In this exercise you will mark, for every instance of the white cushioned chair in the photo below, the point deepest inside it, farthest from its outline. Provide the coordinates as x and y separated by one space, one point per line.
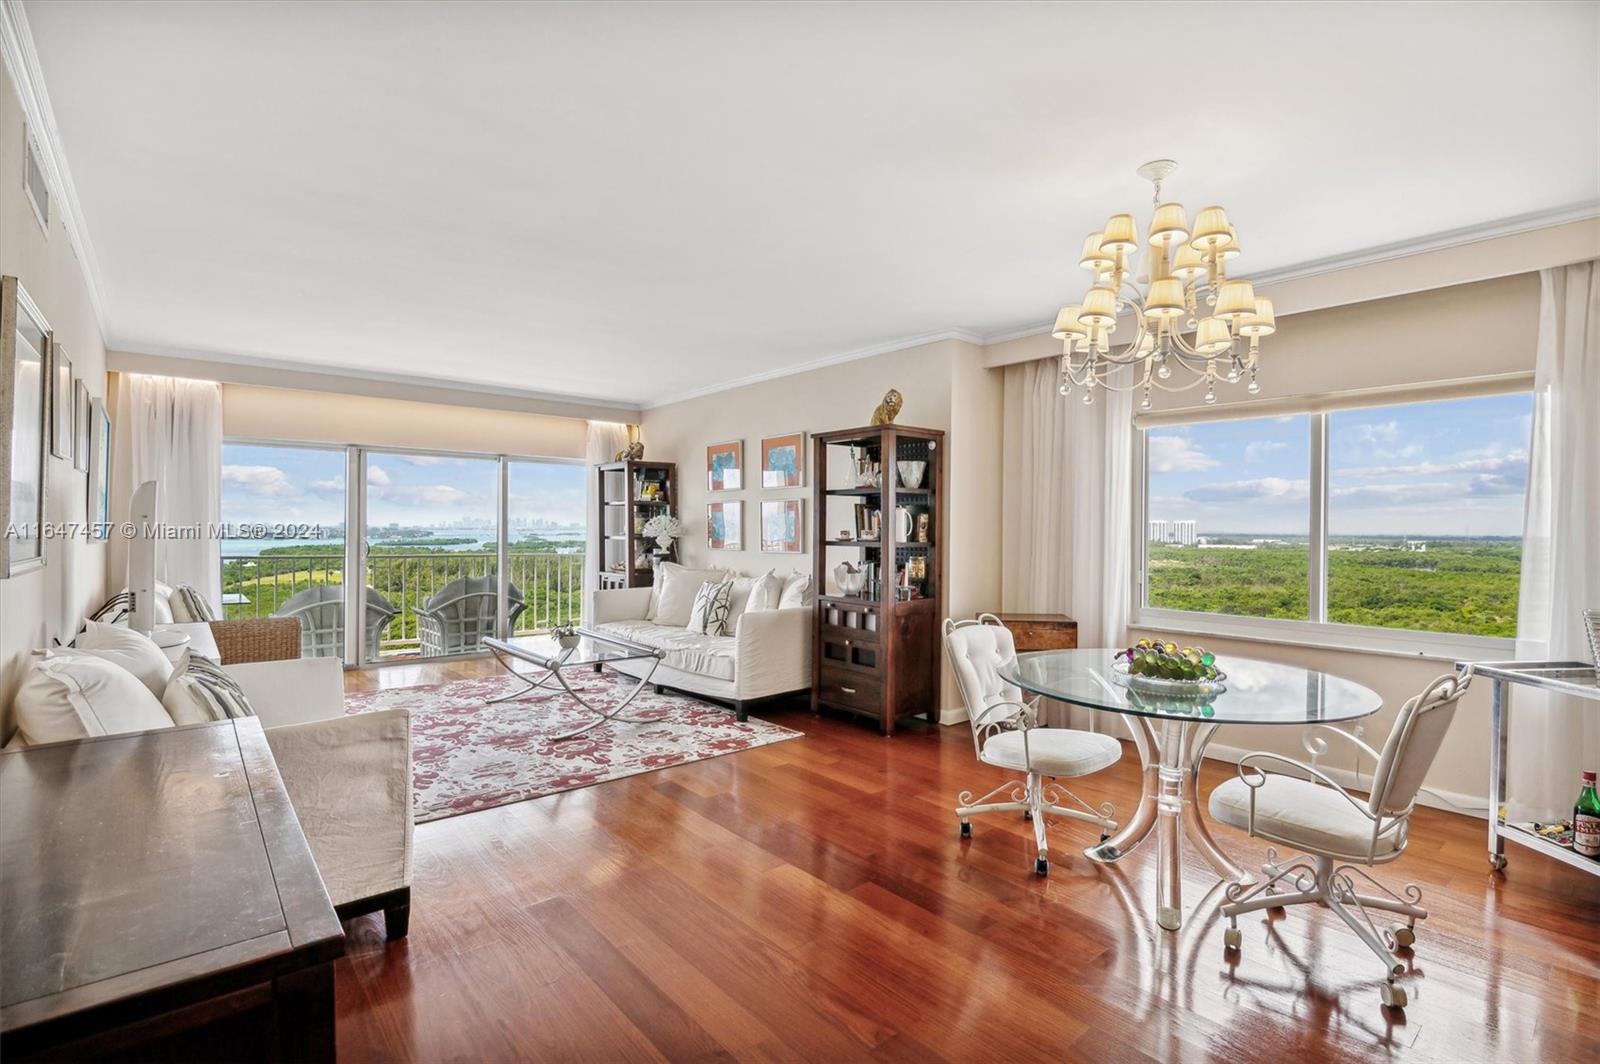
1337 830
1005 734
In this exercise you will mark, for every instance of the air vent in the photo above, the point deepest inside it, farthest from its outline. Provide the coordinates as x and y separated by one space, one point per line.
38 189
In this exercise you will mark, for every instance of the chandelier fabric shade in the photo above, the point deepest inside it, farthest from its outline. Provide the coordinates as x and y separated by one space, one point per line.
1178 309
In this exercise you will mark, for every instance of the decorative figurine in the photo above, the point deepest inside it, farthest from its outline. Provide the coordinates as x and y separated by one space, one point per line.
889 409
634 452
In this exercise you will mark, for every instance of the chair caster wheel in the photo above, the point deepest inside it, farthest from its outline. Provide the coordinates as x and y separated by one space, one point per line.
1232 938
1393 996
966 829
1404 936
1041 867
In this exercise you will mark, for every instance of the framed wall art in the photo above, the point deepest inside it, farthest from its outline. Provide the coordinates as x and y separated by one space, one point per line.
24 426
783 461
81 413
725 466
725 525
782 526
60 403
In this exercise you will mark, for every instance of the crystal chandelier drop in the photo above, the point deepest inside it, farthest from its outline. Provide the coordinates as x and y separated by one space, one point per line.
1183 308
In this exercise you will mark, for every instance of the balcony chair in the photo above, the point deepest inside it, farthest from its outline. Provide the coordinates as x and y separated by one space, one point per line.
460 615
1336 830
1006 734
320 611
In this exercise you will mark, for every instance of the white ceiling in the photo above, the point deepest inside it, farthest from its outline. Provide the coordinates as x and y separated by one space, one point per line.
643 201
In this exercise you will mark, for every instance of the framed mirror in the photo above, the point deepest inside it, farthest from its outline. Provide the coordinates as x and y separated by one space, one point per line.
24 426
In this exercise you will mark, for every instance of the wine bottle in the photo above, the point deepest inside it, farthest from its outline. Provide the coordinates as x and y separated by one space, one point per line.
1586 819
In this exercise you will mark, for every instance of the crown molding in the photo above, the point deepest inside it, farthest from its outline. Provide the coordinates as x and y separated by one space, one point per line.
22 62
902 344
1402 249
351 380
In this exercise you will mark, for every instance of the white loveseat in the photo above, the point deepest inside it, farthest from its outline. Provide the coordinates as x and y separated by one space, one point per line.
768 654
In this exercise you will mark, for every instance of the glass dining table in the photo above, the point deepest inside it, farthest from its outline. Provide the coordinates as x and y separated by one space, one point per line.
1171 734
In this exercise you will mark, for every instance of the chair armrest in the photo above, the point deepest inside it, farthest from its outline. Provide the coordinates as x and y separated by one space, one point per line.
774 651
1254 776
292 692
349 780
1316 746
620 604
262 639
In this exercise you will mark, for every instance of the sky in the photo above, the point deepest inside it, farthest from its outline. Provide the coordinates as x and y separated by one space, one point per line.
1451 468
275 485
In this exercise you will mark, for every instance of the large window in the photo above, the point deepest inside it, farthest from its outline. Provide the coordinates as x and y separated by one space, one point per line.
1404 517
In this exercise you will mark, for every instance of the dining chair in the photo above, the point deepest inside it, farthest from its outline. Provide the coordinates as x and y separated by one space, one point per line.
1006 734
1339 833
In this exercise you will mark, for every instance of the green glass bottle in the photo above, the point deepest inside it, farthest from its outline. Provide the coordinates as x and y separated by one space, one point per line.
1586 819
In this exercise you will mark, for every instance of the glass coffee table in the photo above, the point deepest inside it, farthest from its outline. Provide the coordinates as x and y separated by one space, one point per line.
591 650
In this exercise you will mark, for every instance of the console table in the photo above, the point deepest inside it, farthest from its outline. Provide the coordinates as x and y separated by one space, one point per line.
158 899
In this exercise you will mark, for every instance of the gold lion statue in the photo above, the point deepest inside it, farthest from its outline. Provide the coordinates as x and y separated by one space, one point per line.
889 409
631 453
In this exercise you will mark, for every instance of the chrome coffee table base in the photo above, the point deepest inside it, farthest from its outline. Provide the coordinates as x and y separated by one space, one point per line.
1169 807
554 670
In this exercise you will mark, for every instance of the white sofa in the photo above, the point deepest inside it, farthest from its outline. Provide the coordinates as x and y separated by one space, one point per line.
348 778
769 654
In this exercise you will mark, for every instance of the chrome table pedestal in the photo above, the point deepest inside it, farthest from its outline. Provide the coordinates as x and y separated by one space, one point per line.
1169 807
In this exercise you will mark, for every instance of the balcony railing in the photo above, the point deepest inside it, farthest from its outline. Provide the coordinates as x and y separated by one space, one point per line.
551 584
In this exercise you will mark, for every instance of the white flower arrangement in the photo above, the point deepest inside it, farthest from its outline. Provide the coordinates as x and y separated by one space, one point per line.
665 528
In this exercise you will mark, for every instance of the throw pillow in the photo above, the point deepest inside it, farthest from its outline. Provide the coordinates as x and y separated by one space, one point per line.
796 592
132 650
678 586
115 610
742 599
766 594
709 614
70 694
201 691
191 607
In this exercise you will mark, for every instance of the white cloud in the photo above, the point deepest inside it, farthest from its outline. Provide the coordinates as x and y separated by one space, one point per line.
1506 464
426 495
426 460
1381 432
263 481
331 486
377 476
1265 488
1259 449
1178 454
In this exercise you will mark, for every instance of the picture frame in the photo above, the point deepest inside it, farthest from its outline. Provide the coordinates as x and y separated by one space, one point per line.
725 466
783 526
99 479
783 460
725 525
81 413
25 340
61 439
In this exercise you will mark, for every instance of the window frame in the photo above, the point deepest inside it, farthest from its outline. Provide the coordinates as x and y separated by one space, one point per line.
1317 631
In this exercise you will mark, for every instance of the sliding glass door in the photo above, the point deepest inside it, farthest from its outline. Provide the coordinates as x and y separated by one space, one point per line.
437 531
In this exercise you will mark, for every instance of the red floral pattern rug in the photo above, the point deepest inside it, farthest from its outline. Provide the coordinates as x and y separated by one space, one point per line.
467 755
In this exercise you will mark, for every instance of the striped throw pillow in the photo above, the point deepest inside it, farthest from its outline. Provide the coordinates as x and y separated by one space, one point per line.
115 610
191 607
202 691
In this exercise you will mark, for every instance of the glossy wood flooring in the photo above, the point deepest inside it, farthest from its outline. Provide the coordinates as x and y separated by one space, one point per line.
812 901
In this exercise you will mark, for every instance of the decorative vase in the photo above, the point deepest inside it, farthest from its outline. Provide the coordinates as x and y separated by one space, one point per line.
911 473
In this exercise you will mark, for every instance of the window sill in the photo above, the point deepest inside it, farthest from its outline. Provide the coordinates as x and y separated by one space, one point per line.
1352 639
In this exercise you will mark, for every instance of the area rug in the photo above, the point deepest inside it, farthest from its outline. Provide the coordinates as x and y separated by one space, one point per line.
467 755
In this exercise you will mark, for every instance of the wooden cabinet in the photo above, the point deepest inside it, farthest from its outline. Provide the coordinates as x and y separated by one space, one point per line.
879 508
1041 631
631 493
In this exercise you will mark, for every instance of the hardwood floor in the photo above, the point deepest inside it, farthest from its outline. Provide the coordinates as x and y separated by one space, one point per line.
811 901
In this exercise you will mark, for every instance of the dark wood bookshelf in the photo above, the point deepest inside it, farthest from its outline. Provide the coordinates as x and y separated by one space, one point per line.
622 512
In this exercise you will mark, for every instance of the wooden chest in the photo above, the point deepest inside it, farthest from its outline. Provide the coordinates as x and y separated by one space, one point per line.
1041 631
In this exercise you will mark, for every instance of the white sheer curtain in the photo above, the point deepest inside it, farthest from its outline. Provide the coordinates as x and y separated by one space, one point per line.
1554 738
604 440
1068 506
169 430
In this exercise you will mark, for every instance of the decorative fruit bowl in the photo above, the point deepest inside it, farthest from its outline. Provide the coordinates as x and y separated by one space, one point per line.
1164 668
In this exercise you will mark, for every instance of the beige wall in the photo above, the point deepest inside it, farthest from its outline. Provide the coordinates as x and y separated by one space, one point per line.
38 606
251 412
945 386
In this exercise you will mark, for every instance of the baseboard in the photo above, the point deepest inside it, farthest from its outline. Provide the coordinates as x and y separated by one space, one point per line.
1450 801
957 715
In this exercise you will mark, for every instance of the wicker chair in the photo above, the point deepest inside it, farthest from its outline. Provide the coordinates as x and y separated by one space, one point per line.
320 612
458 618
262 639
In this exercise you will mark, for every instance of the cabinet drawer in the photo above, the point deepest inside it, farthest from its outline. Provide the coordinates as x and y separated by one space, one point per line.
850 688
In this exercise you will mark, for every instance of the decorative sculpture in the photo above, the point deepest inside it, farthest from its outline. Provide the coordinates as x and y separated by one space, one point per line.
634 452
889 409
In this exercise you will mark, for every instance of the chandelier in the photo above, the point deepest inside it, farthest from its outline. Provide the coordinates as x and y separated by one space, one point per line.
1184 310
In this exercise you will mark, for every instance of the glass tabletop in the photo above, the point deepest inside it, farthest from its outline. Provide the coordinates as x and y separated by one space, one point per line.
592 649
1258 692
